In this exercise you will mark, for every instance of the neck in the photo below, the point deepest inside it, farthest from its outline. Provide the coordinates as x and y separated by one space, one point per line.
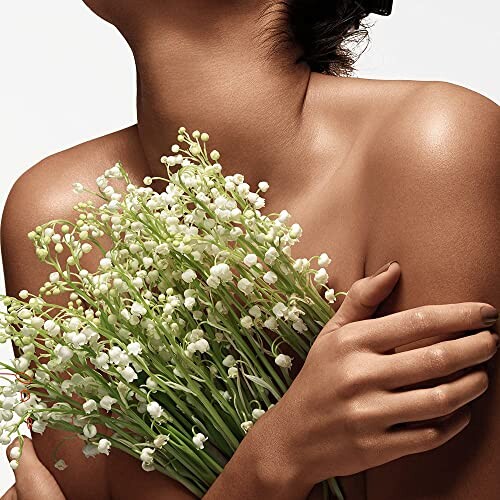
218 76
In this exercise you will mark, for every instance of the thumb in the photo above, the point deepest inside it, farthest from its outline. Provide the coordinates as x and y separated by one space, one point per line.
33 480
365 295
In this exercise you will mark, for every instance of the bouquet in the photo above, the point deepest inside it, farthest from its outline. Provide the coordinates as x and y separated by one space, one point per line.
172 349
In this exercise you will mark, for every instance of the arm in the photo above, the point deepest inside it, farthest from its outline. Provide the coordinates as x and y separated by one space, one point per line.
436 197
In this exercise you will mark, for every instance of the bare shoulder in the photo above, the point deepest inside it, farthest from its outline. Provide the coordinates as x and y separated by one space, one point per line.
44 191
432 189
440 124
434 152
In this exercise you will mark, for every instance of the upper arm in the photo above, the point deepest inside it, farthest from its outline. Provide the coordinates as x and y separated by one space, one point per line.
436 203
38 196
435 198
42 194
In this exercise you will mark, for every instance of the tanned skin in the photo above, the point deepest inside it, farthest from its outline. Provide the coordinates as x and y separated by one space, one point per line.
372 170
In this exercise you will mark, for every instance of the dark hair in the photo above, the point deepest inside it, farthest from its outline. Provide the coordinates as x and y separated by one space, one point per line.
327 32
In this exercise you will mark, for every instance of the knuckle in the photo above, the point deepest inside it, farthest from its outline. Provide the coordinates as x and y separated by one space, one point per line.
441 400
355 379
345 339
359 293
420 318
483 380
466 314
489 344
434 436
436 358
358 418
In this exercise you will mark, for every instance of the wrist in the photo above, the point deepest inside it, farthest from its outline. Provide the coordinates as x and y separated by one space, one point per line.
276 460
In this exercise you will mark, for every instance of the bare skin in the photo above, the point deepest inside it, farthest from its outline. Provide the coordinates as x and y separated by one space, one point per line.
372 170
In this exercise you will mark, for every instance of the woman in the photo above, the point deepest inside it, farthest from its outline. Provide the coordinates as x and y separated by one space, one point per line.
373 171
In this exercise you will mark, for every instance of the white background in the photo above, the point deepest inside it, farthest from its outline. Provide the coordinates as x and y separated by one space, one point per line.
68 76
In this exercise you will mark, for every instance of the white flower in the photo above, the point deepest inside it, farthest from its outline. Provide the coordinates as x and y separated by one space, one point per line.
14 464
246 322
106 402
250 259
49 325
330 296
90 450
188 276
101 361
279 309
61 464
271 323
105 263
151 384
103 446
89 431
161 440
138 309
263 186
134 348
301 265
199 439
154 409
78 187
295 231
189 303
283 360
255 311
147 455
324 260
229 361
270 278
202 345
15 453
148 181
257 413
246 426
284 217
148 466
128 374
299 326
245 286
321 276
54 277
271 256
221 271
89 406
232 372
64 353
39 426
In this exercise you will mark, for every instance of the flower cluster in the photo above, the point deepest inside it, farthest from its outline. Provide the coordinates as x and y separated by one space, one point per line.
172 349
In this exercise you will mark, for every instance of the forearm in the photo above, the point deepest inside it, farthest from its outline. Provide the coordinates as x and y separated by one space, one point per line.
259 469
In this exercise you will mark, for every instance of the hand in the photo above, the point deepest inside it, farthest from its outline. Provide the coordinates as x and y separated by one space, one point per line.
33 480
338 415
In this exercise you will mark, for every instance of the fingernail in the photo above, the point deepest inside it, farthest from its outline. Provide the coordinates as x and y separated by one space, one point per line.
383 269
489 315
496 337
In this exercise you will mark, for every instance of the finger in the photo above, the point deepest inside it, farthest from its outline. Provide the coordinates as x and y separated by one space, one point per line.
434 402
394 330
407 441
437 360
10 494
365 296
33 480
